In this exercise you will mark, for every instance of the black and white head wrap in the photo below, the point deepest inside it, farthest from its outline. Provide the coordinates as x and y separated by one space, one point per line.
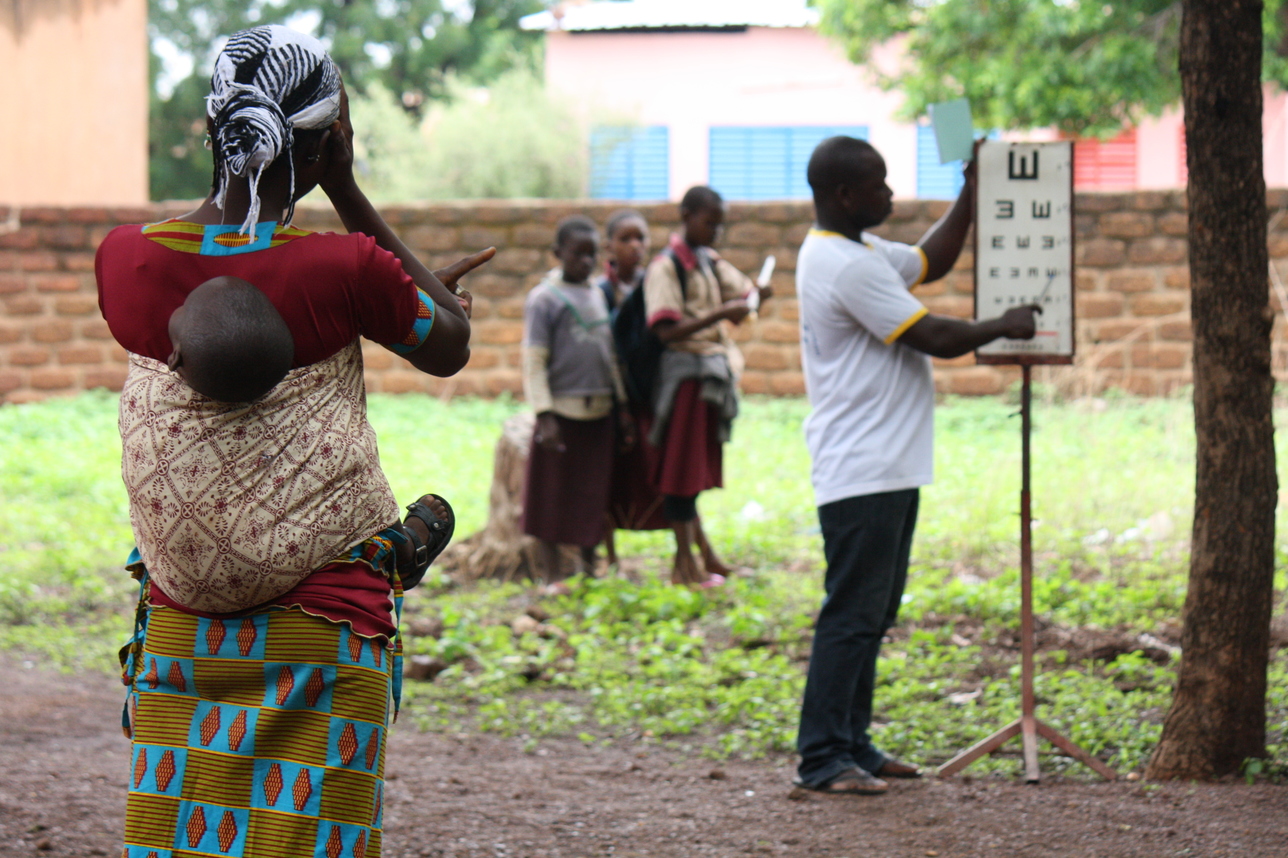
268 81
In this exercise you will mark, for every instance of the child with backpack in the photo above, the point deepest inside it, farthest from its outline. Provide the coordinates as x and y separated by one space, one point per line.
571 381
688 292
633 504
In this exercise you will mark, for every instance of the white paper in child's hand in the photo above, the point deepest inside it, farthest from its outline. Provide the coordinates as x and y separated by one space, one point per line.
766 271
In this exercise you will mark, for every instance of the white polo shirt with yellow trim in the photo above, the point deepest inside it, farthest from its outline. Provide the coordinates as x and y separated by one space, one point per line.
871 429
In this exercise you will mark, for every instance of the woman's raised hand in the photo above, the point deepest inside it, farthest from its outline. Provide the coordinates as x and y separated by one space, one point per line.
337 149
451 275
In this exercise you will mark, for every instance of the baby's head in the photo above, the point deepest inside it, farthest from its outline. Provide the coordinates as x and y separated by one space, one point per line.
576 246
229 342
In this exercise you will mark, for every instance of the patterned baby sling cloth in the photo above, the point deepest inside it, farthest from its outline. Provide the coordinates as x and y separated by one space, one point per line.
234 505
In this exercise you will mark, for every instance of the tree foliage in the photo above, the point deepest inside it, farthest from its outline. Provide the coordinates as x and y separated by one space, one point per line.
511 140
521 142
411 48
1084 66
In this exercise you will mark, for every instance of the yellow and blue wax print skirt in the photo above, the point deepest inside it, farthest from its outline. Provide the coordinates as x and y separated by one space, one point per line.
256 737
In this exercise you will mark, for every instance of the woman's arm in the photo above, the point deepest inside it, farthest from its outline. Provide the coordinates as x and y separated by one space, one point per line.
447 349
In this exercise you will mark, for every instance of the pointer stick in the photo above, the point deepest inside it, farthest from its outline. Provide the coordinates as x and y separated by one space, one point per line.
1045 289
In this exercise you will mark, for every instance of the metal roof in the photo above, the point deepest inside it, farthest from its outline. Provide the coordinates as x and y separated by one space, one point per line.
674 14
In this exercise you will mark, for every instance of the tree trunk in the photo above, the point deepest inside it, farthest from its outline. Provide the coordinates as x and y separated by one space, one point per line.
501 549
1217 718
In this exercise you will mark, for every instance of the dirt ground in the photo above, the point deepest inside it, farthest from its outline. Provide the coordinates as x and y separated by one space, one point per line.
469 796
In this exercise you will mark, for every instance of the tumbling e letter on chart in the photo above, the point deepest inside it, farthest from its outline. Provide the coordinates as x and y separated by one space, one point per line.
1024 226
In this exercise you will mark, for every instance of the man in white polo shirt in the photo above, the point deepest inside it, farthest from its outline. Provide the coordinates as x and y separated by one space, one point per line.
866 344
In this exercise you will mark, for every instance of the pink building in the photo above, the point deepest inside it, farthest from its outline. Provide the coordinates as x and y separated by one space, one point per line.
736 93
75 102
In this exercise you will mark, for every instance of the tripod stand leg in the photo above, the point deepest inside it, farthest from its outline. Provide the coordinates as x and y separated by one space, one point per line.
1029 736
979 749
1077 753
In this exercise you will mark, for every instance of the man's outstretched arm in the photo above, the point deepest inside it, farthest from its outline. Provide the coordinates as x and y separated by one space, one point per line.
946 337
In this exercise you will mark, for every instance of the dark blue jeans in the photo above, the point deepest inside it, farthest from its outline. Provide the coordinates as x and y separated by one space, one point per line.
866 541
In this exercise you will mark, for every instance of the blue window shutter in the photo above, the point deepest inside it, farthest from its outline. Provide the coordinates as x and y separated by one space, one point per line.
935 181
630 163
767 162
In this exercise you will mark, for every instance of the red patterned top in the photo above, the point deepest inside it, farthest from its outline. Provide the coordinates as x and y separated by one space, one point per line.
329 288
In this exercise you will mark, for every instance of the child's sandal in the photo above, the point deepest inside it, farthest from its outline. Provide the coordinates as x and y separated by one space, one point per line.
440 534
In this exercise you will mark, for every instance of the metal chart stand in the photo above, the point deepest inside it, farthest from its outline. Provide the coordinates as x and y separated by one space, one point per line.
1027 727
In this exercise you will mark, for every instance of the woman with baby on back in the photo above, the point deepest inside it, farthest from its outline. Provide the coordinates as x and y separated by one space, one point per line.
269 545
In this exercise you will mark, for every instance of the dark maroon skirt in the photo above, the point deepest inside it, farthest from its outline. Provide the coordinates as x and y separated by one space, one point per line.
635 503
692 458
565 495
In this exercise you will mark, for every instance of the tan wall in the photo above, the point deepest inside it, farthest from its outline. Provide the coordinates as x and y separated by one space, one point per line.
1133 293
74 102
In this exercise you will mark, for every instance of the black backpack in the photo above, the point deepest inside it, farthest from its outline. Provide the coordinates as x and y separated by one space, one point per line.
638 348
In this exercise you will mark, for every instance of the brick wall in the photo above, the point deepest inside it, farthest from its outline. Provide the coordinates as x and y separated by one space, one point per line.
1133 293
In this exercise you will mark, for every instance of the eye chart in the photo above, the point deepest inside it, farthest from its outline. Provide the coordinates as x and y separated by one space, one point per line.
1024 246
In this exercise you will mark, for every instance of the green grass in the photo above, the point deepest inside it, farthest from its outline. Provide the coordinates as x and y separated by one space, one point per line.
717 673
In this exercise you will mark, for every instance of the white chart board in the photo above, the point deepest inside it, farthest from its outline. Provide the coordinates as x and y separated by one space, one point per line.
1024 246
